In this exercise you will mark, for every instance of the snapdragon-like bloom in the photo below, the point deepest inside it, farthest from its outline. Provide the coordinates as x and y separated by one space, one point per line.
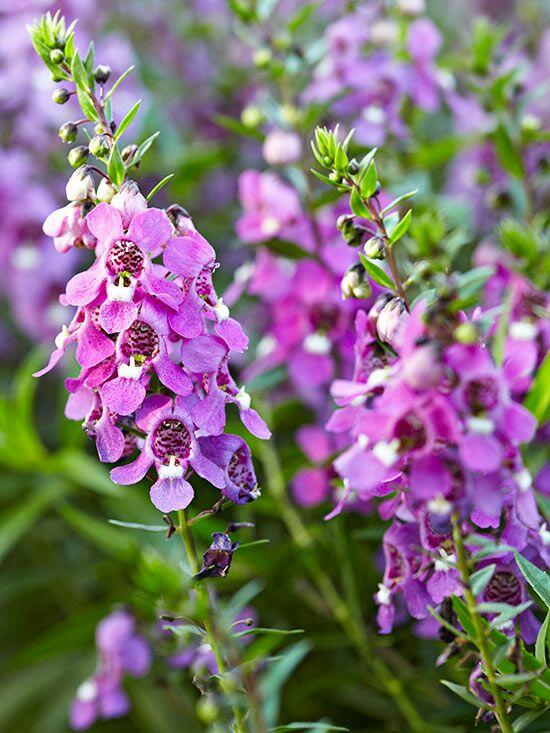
153 341
121 651
436 430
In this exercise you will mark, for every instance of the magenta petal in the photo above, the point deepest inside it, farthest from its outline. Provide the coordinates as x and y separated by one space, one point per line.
82 714
518 424
150 229
79 404
255 424
93 346
429 477
83 287
232 333
187 256
133 472
114 703
187 322
55 356
105 223
116 316
481 453
109 439
170 495
166 291
209 414
123 395
203 354
207 469
55 223
154 408
136 656
173 376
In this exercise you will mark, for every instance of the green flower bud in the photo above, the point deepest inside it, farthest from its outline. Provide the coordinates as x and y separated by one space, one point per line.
374 248
207 710
353 167
60 96
128 153
252 116
77 156
283 41
57 56
355 283
68 132
262 58
291 115
99 146
466 333
102 74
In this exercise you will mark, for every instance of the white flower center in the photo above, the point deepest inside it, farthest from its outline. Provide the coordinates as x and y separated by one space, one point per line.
523 331
87 691
119 292
221 310
243 399
362 440
374 114
131 370
270 226
524 480
61 337
243 273
446 562
317 343
384 595
172 470
378 377
544 534
439 505
359 400
386 453
266 345
480 425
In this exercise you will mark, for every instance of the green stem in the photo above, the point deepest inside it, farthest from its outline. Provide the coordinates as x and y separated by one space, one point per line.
207 610
481 640
352 627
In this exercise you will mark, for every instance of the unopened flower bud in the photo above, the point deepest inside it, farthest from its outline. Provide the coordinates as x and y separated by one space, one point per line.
262 58
376 309
291 114
60 96
374 248
252 116
391 321
412 7
68 132
102 74
281 147
180 218
105 191
207 710
80 185
352 233
77 156
99 146
57 56
466 333
355 283
128 153
353 167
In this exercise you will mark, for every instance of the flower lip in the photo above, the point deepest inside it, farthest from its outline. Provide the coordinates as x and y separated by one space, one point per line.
87 691
172 470
118 291
445 562
171 439
480 425
131 370
317 343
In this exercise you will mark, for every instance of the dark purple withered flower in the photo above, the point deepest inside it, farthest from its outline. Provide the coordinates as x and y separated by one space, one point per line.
216 561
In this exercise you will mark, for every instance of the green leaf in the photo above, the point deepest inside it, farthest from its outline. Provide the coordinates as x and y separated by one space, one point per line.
287 249
274 678
144 147
462 692
526 719
236 126
357 205
369 181
511 680
159 185
537 578
480 578
135 525
86 104
543 641
401 228
78 71
127 120
118 82
399 200
376 273
256 631
506 616
508 155
115 166
106 538
538 397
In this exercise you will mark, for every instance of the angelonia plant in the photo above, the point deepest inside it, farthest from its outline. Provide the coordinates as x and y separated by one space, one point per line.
153 342
435 420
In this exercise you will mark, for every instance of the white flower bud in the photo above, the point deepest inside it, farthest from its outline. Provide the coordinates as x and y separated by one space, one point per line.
80 185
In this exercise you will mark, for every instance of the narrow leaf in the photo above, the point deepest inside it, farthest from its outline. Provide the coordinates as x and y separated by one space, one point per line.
115 166
144 147
118 82
376 273
401 228
135 525
79 72
159 185
127 120
399 200
506 616
357 205
480 578
543 640
511 680
537 579
462 692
